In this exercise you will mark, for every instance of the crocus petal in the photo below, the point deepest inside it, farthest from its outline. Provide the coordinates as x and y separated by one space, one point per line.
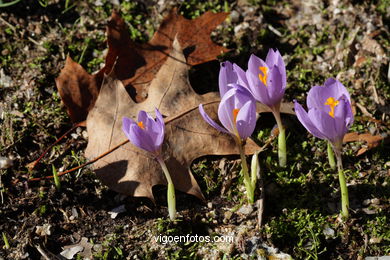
210 121
258 89
141 139
275 86
337 89
143 117
242 80
256 86
324 123
226 76
246 119
318 95
159 128
274 58
225 110
316 98
303 117
126 122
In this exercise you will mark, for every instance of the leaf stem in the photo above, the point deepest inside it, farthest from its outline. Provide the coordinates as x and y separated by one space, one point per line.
282 150
250 189
171 190
343 184
332 162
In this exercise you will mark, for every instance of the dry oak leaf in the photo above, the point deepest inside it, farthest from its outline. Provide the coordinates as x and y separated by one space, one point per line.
132 171
372 141
137 64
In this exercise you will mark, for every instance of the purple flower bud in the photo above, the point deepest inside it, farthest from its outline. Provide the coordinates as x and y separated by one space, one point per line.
330 114
147 133
236 112
265 80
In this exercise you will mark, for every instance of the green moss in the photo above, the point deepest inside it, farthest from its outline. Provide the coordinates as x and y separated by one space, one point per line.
299 232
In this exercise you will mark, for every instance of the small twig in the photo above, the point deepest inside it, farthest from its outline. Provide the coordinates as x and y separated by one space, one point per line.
43 253
82 165
364 110
8 24
51 146
1 188
260 202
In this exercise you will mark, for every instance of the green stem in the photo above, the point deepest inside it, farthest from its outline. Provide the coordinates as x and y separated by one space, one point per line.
343 184
171 190
282 150
332 162
244 171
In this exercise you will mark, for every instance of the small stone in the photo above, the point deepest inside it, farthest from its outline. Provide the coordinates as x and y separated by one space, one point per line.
97 248
5 162
5 52
245 210
227 215
375 201
375 240
234 16
366 202
210 205
328 232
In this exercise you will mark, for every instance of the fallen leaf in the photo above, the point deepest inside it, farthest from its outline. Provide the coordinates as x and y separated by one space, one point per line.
78 89
372 141
135 64
132 171
83 248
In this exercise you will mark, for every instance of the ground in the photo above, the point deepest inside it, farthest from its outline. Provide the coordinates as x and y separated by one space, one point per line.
344 39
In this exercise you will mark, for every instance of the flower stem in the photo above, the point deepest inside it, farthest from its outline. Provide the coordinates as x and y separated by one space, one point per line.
343 184
282 150
171 190
332 162
250 188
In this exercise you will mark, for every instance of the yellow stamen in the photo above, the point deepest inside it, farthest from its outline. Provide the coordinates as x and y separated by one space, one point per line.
332 103
263 78
141 125
235 113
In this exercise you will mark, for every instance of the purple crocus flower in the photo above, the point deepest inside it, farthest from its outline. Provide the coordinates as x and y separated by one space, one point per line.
265 80
147 133
330 113
237 112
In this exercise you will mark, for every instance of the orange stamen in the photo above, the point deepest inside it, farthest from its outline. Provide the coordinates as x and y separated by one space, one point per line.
263 78
332 103
141 125
235 113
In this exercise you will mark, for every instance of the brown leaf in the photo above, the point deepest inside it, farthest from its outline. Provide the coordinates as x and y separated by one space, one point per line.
78 90
372 141
132 171
134 64
138 64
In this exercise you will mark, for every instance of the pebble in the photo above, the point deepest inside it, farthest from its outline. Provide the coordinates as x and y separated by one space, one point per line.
234 16
375 201
210 205
227 215
375 240
328 232
245 210
5 162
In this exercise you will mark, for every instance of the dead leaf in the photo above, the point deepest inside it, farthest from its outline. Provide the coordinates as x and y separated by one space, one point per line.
372 141
134 64
132 171
78 89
